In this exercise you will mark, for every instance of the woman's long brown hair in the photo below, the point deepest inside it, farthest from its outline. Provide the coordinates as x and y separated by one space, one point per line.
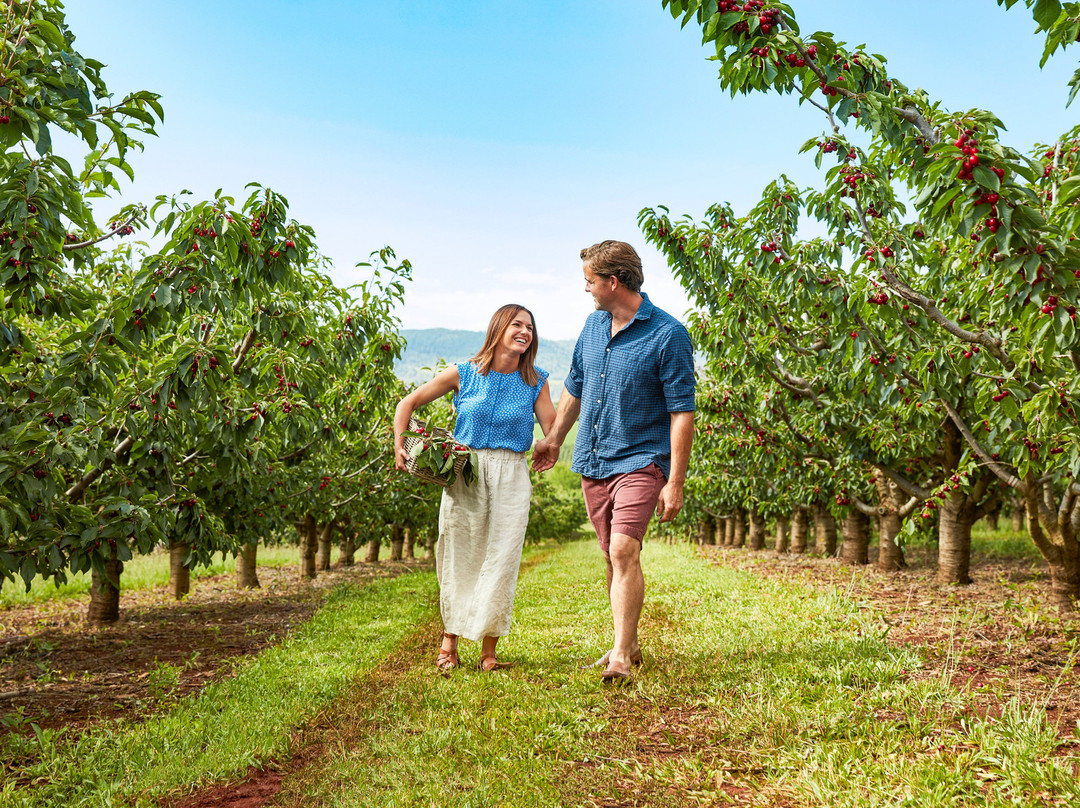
500 321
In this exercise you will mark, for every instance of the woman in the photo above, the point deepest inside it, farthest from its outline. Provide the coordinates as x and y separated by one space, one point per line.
482 525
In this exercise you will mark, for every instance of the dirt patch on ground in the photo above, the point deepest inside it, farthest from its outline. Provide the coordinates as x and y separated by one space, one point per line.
677 740
55 671
997 638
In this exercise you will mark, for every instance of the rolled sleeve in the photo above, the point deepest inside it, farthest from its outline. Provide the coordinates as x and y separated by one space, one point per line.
677 371
573 382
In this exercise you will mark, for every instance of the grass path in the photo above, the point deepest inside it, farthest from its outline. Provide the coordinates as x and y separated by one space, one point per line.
753 692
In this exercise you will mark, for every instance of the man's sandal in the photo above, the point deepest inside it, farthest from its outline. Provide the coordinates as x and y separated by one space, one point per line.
446 661
614 677
635 660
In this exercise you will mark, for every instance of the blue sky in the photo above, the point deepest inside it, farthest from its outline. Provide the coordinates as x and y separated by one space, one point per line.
488 142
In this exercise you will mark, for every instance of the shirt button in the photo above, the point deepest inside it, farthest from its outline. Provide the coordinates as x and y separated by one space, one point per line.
608 350
597 401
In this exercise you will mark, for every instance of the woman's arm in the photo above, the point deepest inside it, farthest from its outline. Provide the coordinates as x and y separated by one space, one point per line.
437 388
546 451
544 409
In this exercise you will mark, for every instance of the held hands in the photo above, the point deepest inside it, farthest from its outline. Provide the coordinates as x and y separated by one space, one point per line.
545 455
670 501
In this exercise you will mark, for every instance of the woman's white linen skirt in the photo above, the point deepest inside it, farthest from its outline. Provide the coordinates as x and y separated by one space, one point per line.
481 534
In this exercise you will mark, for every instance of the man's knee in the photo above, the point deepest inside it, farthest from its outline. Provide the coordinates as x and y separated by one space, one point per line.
624 552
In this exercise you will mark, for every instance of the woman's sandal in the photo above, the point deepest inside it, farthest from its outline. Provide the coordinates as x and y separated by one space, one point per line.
446 661
492 663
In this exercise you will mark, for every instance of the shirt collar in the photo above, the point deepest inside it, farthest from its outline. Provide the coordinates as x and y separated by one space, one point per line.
644 312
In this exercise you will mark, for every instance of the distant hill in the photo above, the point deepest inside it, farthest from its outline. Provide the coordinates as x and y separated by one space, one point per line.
426 346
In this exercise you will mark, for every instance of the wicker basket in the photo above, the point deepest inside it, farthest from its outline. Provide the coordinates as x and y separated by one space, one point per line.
423 474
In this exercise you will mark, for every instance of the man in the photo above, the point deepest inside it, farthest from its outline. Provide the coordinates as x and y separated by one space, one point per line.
632 383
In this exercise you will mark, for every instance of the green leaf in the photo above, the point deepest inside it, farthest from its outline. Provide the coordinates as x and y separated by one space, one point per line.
986 178
43 143
1046 13
51 34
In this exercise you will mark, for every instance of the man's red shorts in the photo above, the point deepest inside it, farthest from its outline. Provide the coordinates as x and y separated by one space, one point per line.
623 503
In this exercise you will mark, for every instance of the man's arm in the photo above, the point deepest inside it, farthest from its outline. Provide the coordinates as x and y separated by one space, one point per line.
670 501
546 453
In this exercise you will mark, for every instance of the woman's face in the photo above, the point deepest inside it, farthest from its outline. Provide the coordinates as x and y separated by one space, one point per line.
518 336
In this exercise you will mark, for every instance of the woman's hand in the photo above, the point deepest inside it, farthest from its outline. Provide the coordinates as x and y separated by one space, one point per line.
400 456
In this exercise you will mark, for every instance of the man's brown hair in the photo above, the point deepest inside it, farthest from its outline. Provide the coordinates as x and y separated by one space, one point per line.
615 259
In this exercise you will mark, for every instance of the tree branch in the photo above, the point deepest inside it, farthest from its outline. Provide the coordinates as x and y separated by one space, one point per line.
80 245
242 352
1000 471
910 488
88 479
934 313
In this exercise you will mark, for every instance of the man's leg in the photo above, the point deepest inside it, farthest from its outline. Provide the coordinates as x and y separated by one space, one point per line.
626 592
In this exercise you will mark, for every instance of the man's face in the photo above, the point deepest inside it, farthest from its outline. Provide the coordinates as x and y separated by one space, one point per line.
602 289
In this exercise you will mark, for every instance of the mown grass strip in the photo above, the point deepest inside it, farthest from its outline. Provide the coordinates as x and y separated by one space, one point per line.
754 691
237 722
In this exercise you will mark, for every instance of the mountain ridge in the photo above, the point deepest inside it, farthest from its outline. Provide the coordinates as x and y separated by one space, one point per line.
425 347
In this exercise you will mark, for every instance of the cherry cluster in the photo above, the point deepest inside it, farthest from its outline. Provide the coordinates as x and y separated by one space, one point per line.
852 177
828 146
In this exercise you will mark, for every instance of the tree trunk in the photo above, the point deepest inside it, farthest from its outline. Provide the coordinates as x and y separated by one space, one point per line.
824 531
308 542
756 540
105 593
782 524
1017 514
326 538
179 574
1064 585
429 542
1056 539
993 519
856 538
347 549
729 531
707 530
247 576
410 540
800 527
373 550
954 539
397 542
890 555
739 518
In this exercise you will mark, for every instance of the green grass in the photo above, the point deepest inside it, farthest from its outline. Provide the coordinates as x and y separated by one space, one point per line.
1003 543
246 720
752 688
750 685
142 572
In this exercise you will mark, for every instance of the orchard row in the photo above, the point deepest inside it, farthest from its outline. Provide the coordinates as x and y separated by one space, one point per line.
900 341
199 394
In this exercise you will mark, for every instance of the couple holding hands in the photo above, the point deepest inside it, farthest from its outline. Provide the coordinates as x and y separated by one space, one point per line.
631 386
